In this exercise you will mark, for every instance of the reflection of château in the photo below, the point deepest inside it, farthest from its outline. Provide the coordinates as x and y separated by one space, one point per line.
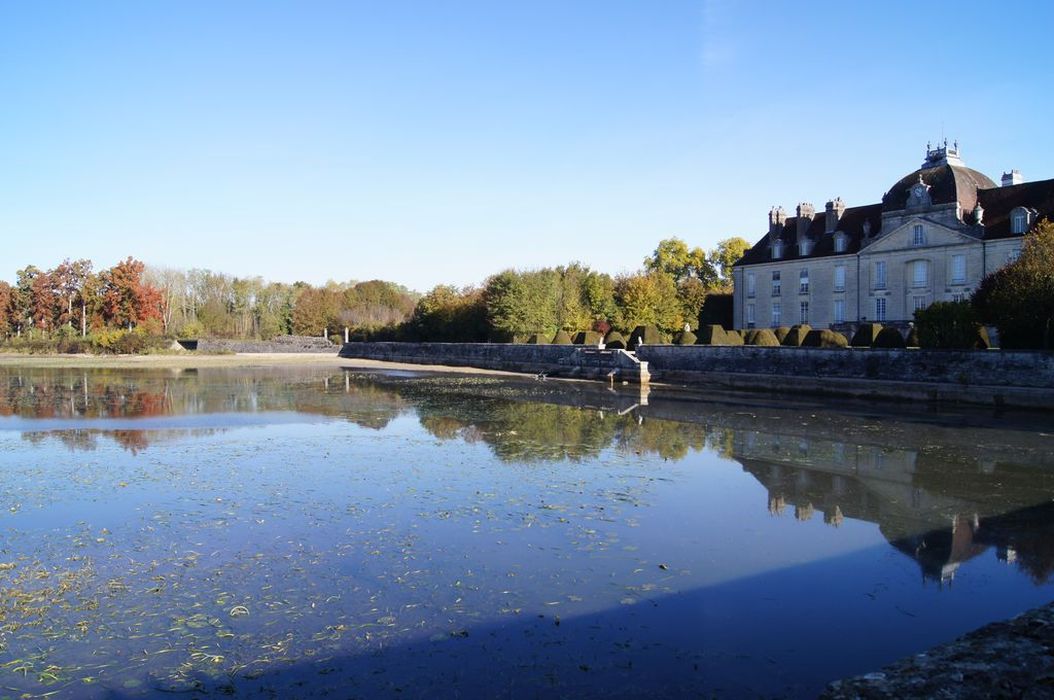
940 509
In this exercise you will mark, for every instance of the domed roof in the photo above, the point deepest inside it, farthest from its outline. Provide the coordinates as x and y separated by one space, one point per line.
949 181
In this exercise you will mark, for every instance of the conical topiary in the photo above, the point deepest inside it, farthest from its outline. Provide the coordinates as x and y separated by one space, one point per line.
591 338
685 338
735 337
562 338
765 338
649 334
615 341
537 339
796 336
712 335
889 338
865 335
825 338
781 333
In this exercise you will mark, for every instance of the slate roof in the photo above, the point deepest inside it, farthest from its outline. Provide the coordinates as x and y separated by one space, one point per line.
851 223
948 184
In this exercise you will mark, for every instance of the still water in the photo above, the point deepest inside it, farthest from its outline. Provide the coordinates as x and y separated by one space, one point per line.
298 533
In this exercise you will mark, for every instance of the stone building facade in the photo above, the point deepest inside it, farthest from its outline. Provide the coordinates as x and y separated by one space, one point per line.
936 233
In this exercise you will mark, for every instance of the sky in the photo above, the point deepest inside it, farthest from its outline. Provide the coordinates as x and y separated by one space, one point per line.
440 142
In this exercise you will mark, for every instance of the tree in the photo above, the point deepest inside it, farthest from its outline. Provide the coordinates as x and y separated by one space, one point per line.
126 300
648 298
725 255
446 314
5 306
315 311
672 257
1018 299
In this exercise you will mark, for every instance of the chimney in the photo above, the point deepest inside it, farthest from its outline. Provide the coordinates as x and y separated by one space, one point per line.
834 213
777 218
1012 178
805 214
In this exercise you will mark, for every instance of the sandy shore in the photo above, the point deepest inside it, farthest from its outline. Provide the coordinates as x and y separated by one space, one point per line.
192 360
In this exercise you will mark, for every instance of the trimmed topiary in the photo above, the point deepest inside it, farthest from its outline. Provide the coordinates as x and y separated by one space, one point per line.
734 337
866 335
781 333
796 335
712 335
685 338
538 339
825 338
889 338
561 338
765 338
615 341
912 341
650 335
588 338
749 335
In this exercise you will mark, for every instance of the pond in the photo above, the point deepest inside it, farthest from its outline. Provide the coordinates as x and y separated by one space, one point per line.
304 532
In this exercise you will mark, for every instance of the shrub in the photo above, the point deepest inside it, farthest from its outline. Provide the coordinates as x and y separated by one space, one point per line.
537 339
685 338
912 339
781 333
796 336
866 335
749 335
889 338
602 327
615 341
765 338
712 334
716 311
650 335
949 324
588 338
561 338
734 337
825 338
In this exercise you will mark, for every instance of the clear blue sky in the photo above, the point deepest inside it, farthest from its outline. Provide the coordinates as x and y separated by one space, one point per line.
428 142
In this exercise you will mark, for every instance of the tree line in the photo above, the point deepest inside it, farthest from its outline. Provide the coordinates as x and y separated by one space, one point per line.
74 300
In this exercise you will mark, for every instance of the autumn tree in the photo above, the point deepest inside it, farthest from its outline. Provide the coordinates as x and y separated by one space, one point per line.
447 314
126 300
315 311
648 299
5 306
1018 299
673 257
724 256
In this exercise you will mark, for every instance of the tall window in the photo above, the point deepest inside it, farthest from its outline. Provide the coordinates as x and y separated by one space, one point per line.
1018 222
776 313
839 310
919 276
880 274
958 269
776 284
880 309
839 278
750 315
777 250
839 243
803 281
918 303
918 235
750 284
804 312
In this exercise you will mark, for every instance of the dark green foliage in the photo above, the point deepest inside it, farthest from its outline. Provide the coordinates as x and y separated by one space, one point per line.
866 335
712 334
649 335
889 338
717 310
912 339
951 325
765 338
1019 298
685 338
825 338
796 335
562 338
588 338
615 341
781 333
449 315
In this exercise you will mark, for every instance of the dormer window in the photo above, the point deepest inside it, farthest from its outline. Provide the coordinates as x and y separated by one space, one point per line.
839 243
777 250
1019 220
918 235
804 246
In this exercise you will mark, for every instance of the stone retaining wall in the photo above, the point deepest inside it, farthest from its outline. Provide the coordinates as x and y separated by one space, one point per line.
287 343
993 377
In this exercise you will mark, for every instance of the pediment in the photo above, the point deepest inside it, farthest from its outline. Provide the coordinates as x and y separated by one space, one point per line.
902 237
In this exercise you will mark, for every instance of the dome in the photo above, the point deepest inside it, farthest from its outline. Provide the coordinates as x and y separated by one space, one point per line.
948 181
